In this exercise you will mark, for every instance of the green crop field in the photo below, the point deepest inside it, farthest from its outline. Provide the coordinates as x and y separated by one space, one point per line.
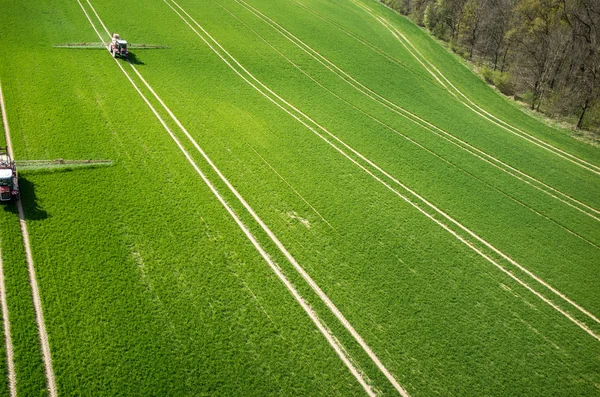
304 197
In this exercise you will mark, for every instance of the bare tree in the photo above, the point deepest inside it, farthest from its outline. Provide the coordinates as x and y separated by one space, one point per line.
472 17
586 36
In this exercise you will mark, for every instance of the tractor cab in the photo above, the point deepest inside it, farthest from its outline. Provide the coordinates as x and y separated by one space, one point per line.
122 47
118 47
8 177
5 184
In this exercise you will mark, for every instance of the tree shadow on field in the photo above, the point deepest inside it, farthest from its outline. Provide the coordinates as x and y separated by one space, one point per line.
133 59
31 208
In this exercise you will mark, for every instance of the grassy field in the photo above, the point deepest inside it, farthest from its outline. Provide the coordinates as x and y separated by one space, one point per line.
463 258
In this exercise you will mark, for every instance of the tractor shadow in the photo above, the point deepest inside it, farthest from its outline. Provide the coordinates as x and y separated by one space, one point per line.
134 59
31 208
29 199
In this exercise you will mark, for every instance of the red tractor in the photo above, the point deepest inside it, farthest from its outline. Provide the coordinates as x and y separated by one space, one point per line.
9 183
118 47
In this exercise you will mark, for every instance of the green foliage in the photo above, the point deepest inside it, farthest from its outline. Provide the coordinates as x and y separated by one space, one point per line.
395 5
501 80
527 97
593 117
459 49
487 73
429 18
549 45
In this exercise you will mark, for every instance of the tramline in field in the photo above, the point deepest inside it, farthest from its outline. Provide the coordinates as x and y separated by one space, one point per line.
9 181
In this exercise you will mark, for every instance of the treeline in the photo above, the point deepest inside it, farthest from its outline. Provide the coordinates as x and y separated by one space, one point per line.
545 52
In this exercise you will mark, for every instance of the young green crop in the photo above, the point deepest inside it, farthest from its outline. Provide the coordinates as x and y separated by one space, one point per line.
150 288
27 354
288 143
464 196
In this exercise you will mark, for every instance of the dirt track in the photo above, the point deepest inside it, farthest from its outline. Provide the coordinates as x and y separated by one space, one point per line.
12 377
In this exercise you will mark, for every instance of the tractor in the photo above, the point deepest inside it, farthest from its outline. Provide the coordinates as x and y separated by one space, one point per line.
118 47
9 183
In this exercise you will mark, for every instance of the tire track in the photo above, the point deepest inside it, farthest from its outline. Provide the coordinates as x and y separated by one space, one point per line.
314 126
383 124
364 42
12 376
321 326
463 145
37 301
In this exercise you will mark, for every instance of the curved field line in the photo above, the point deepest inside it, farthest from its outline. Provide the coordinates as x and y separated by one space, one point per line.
250 8
480 111
37 301
478 153
496 120
305 120
364 42
385 125
321 326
